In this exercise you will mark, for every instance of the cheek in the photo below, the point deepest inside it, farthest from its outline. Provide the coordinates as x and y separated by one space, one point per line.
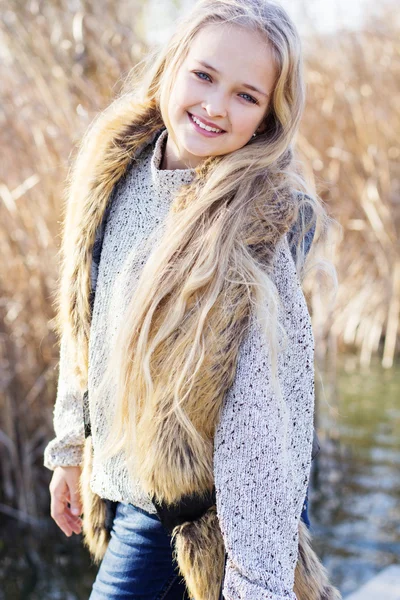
244 120
184 94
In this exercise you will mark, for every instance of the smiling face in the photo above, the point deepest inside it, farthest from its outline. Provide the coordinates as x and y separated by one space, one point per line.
225 84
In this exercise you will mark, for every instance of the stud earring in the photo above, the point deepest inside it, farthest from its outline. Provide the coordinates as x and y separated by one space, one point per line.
254 135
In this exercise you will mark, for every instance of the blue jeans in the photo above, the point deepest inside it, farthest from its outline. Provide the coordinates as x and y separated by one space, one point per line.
138 563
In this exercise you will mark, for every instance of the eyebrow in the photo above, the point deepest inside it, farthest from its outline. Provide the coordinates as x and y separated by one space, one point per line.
246 85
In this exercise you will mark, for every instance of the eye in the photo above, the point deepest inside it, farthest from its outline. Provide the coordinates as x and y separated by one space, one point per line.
202 75
249 98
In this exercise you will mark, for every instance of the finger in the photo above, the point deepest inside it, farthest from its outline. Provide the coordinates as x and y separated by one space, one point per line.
68 524
73 520
77 529
68 511
75 501
75 524
57 504
76 509
57 509
63 524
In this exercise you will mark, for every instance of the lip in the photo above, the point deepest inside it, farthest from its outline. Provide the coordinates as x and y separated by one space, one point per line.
208 123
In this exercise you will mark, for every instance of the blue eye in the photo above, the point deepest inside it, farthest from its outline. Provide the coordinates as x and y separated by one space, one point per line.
199 75
205 77
250 98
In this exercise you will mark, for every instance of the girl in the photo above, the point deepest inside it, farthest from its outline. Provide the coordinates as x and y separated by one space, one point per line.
196 381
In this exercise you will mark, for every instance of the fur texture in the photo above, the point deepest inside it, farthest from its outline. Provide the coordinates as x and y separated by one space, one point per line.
311 580
199 552
170 463
114 141
95 535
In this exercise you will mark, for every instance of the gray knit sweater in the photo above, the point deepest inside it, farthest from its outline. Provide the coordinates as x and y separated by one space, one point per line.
260 488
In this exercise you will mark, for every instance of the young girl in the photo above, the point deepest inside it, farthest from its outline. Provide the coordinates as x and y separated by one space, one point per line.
194 389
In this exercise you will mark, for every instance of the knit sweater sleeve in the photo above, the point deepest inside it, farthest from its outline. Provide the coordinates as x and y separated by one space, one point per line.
261 481
66 449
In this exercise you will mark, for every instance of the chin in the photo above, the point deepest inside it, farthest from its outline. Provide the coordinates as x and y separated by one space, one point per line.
200 148
199 152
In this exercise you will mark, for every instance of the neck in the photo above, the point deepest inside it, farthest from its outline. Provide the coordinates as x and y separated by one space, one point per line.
172 158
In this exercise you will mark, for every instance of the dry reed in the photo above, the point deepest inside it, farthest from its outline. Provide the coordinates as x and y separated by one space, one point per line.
350 139
59 67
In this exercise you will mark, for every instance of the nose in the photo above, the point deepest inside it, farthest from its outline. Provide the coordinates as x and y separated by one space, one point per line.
215 105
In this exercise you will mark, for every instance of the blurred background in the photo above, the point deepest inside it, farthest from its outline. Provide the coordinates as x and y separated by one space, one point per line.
63 60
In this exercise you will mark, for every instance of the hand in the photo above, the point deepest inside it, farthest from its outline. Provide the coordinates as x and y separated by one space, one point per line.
64 491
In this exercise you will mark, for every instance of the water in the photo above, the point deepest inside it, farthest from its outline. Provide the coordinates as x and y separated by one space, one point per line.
355 501
355 492
43 564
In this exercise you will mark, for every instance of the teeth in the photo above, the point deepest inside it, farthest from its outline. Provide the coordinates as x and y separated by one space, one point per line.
206 127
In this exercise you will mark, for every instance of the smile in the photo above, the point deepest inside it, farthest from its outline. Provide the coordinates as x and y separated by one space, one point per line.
203 128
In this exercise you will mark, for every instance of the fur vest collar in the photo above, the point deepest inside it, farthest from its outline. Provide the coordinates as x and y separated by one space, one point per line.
116 139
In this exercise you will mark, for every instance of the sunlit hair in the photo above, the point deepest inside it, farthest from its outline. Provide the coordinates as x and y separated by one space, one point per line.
130 378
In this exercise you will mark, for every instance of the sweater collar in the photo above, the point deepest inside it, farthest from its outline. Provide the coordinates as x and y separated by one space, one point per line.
168 180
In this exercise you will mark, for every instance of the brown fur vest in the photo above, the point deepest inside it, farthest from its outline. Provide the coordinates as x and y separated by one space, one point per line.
116 140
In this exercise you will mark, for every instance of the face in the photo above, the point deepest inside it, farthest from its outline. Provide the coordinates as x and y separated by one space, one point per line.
220 96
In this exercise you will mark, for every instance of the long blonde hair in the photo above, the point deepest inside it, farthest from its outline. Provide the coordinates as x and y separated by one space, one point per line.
206 235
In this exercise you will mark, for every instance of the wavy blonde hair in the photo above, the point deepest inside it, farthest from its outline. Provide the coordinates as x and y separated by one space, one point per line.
209 227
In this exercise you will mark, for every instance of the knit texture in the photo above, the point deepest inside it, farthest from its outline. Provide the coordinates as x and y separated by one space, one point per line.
260 488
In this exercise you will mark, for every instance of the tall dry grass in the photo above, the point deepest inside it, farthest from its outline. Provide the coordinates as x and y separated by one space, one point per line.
350 140
58 66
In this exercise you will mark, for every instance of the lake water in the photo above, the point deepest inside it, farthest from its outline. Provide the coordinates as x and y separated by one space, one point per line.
356 478
354 496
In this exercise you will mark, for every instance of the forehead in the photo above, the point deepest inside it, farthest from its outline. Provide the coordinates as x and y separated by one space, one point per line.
238 53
